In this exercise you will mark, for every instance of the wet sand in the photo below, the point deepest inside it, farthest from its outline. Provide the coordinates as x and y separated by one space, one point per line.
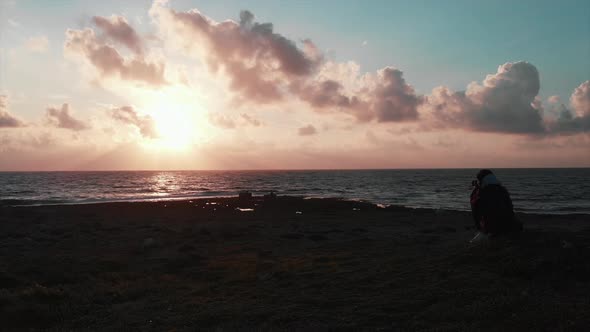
290 264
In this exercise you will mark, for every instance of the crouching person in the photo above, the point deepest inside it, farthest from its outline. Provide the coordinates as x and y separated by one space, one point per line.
491 207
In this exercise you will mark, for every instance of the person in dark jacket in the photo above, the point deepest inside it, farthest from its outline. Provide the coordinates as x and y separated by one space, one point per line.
491 206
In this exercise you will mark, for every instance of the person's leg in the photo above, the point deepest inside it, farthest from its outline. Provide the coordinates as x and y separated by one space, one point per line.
475 216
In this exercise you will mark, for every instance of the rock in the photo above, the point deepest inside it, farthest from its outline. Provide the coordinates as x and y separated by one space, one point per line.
292 235
270 196
149 243
245 195
566 244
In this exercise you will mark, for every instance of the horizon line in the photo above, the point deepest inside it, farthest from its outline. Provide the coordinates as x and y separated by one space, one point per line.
286 169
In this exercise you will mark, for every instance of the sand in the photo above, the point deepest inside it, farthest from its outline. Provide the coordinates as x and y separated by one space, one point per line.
290 264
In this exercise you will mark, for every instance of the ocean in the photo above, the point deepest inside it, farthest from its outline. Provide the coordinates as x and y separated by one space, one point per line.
550 191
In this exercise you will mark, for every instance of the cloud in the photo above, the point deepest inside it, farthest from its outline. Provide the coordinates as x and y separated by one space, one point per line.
505 102
6 119
37 44
62 118
128 115
392 99
117 29
384 97
325 94
576 119
107 60
257 60
307 130
263 66
230 122
251 120
580 99
222 121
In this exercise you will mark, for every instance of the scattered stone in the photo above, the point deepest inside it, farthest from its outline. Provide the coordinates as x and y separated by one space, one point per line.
270 196
149 243
447 229
245 195
317 237
186 248
292 236
566 244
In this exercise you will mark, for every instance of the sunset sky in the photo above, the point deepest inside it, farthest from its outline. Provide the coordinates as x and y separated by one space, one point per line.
112 85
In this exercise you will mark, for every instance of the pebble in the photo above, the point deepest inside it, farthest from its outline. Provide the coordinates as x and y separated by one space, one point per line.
149 243
566 245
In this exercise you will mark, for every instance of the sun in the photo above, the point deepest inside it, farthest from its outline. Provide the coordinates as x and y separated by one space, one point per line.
175 129
176 121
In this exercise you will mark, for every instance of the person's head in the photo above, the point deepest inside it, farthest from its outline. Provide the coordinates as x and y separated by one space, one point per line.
482 174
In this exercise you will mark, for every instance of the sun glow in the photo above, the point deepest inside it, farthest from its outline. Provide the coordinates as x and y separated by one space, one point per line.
177 122
175 129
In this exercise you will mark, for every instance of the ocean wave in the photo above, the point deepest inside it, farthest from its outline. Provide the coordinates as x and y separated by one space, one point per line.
420 189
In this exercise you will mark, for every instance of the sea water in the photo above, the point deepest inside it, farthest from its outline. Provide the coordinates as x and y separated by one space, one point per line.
554 191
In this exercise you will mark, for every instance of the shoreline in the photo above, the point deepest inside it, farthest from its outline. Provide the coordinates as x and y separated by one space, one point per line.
232 197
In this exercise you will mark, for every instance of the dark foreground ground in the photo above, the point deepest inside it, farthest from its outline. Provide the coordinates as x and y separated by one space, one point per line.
337 265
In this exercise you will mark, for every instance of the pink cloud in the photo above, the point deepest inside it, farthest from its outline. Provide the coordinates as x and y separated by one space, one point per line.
61 118
307 130
222 121
263 66
255 58
580 99
505 102
251 120
325 94
108 61
386 97
393 99
7 120
231 122
577 119
117 29
128 115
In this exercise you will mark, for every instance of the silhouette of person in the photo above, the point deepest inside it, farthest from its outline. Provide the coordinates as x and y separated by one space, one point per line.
491 206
